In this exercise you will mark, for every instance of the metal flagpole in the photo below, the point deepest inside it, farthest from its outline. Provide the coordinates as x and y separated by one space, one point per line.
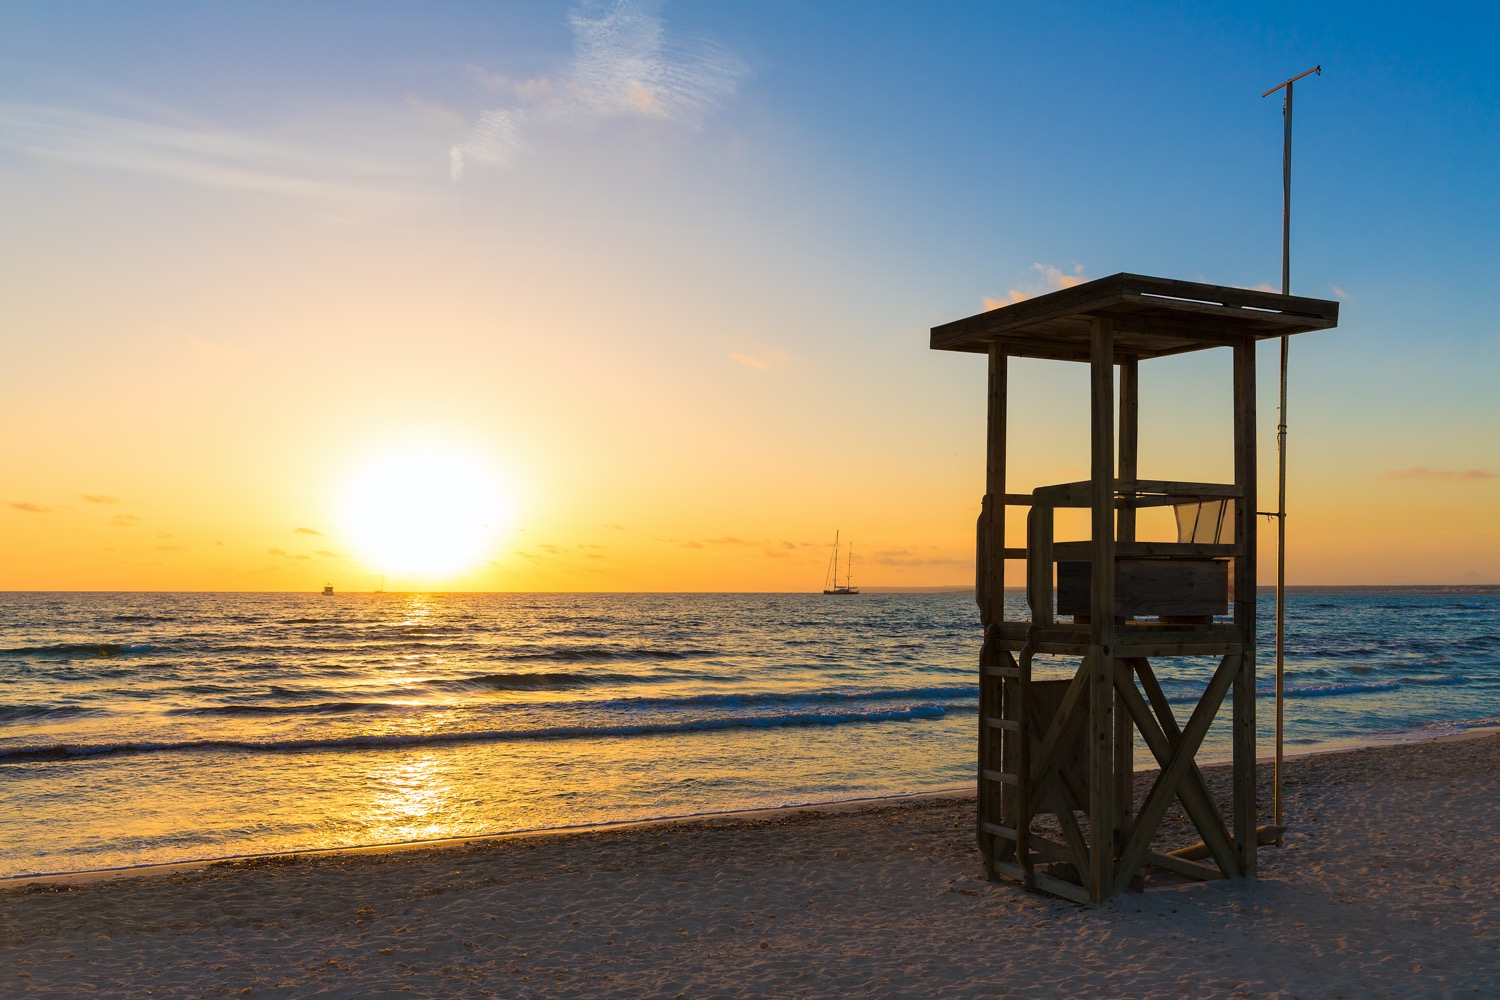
1286 289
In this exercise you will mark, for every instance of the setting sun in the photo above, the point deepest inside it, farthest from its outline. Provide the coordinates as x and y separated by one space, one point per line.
427 511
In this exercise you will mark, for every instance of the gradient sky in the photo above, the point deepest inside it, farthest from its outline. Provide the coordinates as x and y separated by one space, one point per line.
666 272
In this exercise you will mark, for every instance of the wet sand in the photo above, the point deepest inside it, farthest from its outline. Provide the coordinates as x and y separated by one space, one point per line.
1385 887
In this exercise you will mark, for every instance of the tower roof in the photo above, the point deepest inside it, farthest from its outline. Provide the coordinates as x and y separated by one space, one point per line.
1153 317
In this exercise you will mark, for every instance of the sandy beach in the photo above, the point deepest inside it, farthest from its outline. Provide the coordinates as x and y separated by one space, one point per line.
1386 887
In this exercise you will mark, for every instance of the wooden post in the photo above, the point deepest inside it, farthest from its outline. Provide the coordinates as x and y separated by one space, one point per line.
994 481
1125 531
992 688
1100 659
1243 736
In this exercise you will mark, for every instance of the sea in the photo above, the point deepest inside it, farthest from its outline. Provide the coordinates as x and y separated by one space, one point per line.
140 729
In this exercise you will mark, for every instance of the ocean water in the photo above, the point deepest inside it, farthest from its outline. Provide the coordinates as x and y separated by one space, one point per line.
151 728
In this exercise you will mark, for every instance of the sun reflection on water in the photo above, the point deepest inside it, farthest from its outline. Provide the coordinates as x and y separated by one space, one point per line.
411 798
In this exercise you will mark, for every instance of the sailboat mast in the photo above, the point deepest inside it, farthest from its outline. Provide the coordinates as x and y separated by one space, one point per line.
831 580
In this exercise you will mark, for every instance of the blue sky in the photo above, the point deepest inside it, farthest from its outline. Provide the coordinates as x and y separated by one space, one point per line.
722 231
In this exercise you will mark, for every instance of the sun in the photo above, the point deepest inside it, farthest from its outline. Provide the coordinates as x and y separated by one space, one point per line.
424 511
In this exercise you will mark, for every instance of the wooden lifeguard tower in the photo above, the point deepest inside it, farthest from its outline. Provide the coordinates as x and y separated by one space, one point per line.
1063 749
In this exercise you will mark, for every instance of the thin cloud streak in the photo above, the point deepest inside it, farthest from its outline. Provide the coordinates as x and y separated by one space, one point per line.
624 65
1422 472
201 155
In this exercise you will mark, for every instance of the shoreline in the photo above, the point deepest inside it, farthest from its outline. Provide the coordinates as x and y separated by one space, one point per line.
1387 885
156 869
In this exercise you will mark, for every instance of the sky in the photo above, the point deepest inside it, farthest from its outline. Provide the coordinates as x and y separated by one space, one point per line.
636 296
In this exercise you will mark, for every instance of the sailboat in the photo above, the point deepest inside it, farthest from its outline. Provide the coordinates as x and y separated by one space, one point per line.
831 583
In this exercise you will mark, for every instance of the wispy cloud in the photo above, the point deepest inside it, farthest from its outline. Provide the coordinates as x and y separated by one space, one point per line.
305 531
125 520
1338 292
624 65
29 507
1053 278
907 558
201 154
1443 475
100 498
764 361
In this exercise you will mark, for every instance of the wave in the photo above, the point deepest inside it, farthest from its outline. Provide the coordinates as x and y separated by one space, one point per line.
532 681
75 751
746 698
98 650
17 713
318 708
1330 690
600 654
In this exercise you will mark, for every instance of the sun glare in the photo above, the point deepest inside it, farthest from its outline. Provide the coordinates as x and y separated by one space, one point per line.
424 511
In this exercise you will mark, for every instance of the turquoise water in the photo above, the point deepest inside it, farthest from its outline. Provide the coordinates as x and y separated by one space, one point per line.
147 728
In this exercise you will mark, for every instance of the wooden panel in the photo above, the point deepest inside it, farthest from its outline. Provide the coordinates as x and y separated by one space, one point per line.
1039 528
1045 698
1153 587
1198 550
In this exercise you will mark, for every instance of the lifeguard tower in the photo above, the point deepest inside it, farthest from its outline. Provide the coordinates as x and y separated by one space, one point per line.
1056 774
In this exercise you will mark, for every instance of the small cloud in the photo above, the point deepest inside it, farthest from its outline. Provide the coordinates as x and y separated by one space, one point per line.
302 557
306 531
762 362
1338 293
125 520
165 534
29 507
1056 277
615 527
1011 298
1422 472
172 548
693 545
100 498
275 552
551 550
330 555
531 90
731 540
624 65
1053 278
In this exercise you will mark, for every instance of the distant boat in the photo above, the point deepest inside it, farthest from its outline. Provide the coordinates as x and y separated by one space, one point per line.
327 590
831 583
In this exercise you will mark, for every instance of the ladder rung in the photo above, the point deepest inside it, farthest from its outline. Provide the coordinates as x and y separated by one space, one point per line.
1004 777
1008 832
1002 671
1009 725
